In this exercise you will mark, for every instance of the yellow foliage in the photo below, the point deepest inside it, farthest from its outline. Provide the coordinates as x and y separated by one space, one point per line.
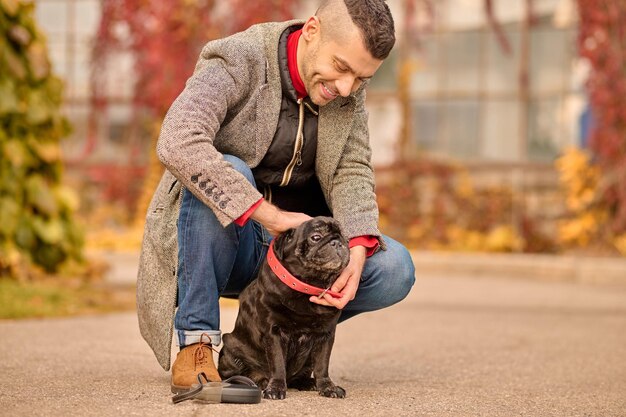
474 241
464 185
579 179
620 243
112 228
118 240
416 232
502 238
579 230
383 221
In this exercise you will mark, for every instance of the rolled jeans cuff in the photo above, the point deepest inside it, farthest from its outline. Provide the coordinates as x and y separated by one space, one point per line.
189 337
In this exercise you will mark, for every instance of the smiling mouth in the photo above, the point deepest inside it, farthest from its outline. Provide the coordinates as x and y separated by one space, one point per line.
328 92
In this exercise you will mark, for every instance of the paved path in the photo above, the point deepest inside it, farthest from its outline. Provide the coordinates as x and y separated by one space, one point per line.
458 346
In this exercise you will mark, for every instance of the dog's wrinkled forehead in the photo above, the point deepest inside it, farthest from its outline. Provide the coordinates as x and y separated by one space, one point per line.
324 225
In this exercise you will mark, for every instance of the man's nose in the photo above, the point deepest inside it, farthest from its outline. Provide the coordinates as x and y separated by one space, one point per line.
346 85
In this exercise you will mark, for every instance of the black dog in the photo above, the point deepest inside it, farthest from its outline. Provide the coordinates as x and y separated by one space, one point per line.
280 337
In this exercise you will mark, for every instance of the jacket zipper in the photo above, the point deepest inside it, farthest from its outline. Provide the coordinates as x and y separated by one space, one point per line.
311 109
296 159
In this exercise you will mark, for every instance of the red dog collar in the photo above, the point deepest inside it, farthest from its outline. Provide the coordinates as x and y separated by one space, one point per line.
293 282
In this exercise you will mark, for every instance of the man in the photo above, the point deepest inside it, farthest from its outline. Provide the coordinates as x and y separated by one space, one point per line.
270 130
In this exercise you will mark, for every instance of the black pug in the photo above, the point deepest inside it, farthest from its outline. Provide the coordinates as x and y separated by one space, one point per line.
280 337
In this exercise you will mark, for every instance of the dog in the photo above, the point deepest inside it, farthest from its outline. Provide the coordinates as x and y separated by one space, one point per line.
280 337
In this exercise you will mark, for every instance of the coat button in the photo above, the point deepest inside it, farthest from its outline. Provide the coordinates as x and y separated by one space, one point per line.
224 203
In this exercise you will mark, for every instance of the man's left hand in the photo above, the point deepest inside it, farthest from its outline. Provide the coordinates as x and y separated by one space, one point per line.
348 281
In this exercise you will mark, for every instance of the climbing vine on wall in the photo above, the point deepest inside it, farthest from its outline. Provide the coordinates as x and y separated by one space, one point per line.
164 38
602 41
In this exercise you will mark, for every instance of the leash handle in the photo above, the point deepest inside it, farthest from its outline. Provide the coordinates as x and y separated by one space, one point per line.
188 395
236 389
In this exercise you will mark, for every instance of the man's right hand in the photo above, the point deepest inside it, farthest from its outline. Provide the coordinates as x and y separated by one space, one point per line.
276 220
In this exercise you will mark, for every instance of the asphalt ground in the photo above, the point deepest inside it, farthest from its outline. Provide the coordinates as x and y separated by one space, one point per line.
461 344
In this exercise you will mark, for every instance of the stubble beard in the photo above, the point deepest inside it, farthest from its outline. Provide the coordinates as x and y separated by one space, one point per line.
312 80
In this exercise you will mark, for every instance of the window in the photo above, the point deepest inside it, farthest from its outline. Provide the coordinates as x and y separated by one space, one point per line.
70 27
466 97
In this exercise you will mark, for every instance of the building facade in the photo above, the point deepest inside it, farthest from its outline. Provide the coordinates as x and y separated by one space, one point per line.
453 88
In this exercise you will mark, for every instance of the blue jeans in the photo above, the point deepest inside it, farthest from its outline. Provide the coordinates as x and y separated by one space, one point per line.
216 261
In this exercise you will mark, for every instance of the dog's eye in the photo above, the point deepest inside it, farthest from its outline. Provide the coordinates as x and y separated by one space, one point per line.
316 237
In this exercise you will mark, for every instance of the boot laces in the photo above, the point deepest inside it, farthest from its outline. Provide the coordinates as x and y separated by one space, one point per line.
202 352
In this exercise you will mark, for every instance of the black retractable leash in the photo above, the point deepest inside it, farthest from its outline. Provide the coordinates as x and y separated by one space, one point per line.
234 390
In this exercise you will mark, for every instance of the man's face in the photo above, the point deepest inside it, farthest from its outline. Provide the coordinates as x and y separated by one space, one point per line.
332 68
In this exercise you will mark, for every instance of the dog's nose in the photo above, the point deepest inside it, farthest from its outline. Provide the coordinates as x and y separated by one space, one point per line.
336 243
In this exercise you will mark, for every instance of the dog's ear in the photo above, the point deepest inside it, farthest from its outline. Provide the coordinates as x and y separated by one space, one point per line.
281 241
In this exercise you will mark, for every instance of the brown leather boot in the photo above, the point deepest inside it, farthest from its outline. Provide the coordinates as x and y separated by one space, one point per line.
190 361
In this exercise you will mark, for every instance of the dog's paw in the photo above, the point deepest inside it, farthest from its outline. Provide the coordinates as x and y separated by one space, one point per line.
275 390
333 391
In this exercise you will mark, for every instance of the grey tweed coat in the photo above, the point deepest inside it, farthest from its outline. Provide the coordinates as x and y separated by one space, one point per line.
231 105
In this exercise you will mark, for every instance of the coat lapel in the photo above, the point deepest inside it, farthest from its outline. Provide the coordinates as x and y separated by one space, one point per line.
332 134
267 111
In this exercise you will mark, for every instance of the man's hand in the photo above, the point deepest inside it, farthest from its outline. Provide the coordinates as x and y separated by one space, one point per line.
275 220
348 281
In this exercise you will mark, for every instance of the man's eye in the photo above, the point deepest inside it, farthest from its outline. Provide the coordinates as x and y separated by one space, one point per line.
340 68
316 237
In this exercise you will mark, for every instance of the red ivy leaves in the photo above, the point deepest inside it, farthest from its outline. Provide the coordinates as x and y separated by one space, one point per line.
246 13
166 36
602 40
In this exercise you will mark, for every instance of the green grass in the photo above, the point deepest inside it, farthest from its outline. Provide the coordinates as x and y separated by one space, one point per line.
57 298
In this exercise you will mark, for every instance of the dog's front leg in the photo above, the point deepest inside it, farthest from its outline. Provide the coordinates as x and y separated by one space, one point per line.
275 355
321 359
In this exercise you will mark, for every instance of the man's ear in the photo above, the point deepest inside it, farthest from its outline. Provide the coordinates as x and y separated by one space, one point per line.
311 28
281 241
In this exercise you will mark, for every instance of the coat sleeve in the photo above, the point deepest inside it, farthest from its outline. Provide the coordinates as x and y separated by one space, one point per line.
353 198
186 142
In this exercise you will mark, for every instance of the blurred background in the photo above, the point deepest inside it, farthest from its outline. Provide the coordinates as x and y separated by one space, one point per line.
496 125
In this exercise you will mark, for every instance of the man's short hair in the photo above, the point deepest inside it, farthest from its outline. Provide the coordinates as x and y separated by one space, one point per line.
373 18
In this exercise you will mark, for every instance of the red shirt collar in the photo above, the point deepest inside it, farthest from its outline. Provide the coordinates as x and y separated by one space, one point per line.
292 63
